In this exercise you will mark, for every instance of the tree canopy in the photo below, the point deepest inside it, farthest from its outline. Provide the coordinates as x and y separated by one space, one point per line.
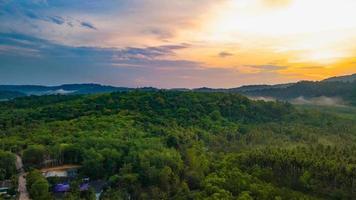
182 145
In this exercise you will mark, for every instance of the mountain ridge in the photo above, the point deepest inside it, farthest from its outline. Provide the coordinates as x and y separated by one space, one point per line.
345 78
342 88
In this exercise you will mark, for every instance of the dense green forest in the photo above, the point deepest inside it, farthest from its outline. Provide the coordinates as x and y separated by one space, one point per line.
183 145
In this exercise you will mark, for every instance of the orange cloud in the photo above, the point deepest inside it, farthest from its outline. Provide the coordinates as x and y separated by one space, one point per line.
277 3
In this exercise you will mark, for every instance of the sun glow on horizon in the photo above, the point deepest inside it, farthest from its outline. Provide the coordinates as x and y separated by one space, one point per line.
319 31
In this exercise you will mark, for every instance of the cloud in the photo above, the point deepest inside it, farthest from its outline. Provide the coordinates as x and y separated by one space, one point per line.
32 15
136 22
148 53
45 59
48 48
160 33
268 68
312 67
35 10
88 25
138 36
21 51
57 20
225 54
51 19
277 3
29 60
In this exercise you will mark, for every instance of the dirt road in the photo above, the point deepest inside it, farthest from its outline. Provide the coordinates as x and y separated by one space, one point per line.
22 180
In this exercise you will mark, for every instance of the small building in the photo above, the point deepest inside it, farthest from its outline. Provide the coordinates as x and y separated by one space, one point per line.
5 187
61 187
66 171
3 190
65 187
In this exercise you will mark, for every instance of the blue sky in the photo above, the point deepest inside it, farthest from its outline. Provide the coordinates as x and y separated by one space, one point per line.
169 43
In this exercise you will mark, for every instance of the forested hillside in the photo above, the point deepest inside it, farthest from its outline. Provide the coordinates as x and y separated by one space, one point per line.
89 88
341 89
337 90
308 89
5 95
183 145
346 78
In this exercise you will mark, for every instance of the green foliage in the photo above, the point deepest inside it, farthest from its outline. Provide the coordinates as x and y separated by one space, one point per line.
7 165
245 196
184 145
37 186
33 156
76 194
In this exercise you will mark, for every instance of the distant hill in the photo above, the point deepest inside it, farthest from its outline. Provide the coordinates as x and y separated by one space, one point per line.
347 78
5 95
335 90
242 89
62 89
310 90
251 88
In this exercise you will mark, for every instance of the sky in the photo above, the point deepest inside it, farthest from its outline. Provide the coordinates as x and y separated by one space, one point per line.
175 43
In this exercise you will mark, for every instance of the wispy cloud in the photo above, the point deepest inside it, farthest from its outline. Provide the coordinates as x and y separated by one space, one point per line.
36 10
160 33
148 53
268 68
57 20
51 19
17 50
88 25
225 54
